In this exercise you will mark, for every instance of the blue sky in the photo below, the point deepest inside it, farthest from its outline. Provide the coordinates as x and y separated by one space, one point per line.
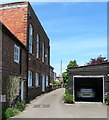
76 30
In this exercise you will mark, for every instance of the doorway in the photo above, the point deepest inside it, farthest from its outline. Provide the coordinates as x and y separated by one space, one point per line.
43 83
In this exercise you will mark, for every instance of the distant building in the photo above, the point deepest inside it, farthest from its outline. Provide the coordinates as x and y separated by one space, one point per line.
52 74
59 78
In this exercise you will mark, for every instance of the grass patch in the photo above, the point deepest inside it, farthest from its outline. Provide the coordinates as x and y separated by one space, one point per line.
10 112
13 111
21 105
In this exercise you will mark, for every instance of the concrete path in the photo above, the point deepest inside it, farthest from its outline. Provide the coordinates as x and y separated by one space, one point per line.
51 105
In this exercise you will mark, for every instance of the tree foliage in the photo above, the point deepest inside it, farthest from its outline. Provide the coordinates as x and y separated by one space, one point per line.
72 64
97 60
65 74
13 88
65 78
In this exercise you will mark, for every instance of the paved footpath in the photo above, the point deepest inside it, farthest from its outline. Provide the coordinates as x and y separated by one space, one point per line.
51 105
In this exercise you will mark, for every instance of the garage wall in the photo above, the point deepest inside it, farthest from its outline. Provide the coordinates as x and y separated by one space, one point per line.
90 70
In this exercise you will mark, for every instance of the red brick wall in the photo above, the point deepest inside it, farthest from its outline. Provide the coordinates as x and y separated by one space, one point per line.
15 19
18 21
51 74
8 64
36 65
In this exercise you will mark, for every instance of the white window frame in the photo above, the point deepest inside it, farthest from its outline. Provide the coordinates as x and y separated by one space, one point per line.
30 77
43 52
38 47
30 38
47 81
37 79
16 54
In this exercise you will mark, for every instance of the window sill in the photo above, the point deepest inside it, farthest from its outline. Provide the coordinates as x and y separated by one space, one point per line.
17 62
37 86
31 54
38 58
45 63
30 87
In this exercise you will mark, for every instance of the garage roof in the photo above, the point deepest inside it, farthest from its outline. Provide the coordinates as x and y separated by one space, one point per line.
101 67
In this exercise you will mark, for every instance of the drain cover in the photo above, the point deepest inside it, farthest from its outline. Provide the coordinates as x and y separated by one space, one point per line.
42 106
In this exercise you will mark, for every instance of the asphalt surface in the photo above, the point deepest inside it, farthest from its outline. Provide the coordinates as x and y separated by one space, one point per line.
51 105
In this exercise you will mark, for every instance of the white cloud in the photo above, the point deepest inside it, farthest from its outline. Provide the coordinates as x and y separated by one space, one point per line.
74 45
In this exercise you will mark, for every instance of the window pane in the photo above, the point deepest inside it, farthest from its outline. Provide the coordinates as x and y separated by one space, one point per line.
37 37
16 54
30 38
29 78
42 51
46 80
37 79
37 51
30 48
30 30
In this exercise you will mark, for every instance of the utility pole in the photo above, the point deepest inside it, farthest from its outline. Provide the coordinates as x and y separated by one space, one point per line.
61 69
61 74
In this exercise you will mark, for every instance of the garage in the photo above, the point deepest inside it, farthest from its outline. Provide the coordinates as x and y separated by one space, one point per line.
88 88
89 83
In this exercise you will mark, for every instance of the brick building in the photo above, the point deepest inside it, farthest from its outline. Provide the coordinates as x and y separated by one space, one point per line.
89 83
14 61
21 20
51 74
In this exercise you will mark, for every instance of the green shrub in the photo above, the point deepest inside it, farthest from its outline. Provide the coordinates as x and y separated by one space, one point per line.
107 98
3 114
65 85
68 98
10 112
56 83
66 91
21 105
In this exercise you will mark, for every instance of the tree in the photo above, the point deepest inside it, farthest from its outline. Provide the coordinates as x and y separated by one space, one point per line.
13 88
65 78
72 64
97 60
65 74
